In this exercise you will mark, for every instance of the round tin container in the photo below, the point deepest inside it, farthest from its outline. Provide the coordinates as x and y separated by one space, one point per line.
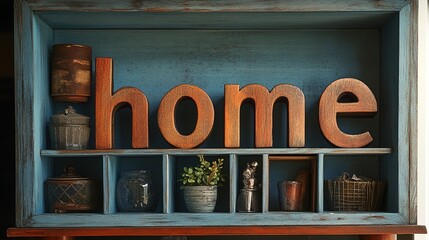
71 192
71 72
69 130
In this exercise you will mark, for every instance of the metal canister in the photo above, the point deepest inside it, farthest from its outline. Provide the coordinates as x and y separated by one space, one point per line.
69 130
71 192
71 73
290 195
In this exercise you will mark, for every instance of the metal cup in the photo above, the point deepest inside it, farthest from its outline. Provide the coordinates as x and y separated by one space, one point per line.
290 195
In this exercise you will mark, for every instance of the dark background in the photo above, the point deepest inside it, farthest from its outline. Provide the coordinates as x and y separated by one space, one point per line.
7 119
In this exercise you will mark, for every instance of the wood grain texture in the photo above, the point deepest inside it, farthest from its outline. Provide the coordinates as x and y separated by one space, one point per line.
107 103
224 230
24 124
330 108
412 77
378 237
264 101
215 20
167 119
30 116
216 151
217 6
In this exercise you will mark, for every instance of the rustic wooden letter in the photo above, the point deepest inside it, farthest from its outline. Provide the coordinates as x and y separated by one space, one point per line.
205 116
329 107
264 103
106 105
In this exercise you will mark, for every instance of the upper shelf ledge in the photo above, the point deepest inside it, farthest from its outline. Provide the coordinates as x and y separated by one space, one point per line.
217 151
216 6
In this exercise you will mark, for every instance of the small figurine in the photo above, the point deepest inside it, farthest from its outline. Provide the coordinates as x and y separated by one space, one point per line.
249 179
249 200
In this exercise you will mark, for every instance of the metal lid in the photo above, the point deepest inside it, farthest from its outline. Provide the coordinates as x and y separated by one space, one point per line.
69 117
70 173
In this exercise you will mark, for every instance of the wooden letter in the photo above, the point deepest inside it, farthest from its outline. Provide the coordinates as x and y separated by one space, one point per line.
205 116
106 105
264 103
329 107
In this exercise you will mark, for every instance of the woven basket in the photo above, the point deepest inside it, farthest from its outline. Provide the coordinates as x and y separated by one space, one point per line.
346 195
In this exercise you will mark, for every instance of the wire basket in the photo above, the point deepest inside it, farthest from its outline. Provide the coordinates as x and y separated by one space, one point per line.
345 195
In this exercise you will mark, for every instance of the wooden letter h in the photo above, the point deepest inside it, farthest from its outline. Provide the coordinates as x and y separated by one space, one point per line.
107 104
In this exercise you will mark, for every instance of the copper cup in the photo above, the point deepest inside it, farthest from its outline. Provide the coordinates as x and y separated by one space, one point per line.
290 195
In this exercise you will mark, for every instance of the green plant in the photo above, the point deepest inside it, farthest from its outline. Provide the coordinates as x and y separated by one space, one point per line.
206 174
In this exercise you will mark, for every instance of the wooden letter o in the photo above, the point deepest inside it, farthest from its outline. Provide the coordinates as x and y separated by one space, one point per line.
205 116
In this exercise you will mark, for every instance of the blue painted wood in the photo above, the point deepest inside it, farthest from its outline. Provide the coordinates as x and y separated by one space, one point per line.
215 20
216 151
215 219
25 174
162 59
320 181
389 116
219 6
307 57
109 184
265 183
233 182
169 183
407 122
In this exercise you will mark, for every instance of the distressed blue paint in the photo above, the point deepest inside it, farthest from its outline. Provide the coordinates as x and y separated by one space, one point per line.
265 183
219 6
320 186
215 219
389 100
215 20
407 117
109 184
169 183
156 60
217 151
233 182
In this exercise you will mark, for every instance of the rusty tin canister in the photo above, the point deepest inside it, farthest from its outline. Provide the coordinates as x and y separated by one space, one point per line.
69 130
290 195
71 73
71 192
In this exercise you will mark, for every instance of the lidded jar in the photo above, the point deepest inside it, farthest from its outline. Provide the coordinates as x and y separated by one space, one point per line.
72 192
136 191
69 130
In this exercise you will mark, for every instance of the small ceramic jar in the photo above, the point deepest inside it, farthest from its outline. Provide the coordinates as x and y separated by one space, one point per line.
69 130
71 192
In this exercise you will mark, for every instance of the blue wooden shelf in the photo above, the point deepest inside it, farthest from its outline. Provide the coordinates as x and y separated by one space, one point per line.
157 45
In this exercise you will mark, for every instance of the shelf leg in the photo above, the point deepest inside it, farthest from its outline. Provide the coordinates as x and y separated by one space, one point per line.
378 237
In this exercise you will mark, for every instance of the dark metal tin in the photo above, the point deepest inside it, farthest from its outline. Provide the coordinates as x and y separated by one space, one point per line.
71 73
71 192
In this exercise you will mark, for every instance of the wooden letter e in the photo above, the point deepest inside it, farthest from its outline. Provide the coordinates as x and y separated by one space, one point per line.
329 107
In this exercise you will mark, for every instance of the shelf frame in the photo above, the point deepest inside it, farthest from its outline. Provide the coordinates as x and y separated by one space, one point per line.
34 21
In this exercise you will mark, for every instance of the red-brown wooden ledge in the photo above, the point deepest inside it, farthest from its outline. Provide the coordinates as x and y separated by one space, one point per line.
219 230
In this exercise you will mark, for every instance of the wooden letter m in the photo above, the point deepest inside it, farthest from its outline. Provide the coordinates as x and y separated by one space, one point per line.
264 103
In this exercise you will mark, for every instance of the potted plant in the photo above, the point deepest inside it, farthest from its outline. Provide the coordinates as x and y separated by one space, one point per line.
199 184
